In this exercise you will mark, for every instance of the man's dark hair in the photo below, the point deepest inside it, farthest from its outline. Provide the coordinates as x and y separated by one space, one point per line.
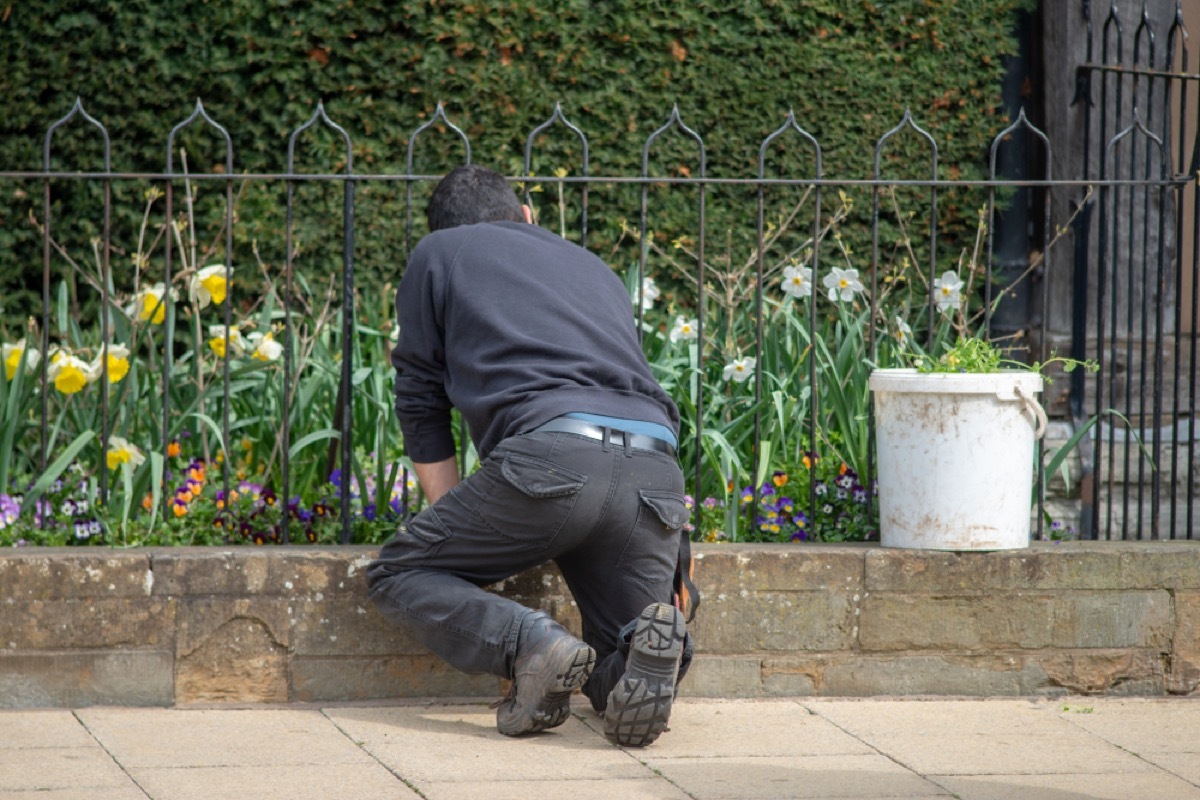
472 194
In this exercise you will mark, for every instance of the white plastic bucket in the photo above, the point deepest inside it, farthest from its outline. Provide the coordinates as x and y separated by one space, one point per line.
955 458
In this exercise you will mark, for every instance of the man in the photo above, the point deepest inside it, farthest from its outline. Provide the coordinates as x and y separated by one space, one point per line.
533 340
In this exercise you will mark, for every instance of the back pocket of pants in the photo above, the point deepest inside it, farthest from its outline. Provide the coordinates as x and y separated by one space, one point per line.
653 546
529 499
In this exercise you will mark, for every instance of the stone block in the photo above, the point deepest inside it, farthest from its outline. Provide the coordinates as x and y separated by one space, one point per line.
88 623
775 621
1184 674
894 621
276 571
238 662
732 569
198 618
346 627
54 573
948 675
792 676
1042 566
1122 672
336 680
76 679
723 676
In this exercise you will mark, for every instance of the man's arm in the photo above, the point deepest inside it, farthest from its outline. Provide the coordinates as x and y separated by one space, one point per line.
437 478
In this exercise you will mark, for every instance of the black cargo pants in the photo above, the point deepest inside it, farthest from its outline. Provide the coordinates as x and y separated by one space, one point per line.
609 515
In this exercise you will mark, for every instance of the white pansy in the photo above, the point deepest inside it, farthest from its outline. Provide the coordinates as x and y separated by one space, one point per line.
797 281
739 370
947 290
687 329
842 284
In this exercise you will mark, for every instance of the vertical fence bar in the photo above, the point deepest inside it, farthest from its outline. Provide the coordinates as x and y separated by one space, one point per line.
814 395
1177 34
557 116
643 250
105 287
438 116
1022 123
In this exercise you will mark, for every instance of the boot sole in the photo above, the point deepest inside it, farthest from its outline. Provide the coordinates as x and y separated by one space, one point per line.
555 705
639 706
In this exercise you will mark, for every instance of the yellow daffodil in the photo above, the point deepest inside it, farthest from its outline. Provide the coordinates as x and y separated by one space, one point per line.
69 373
12 358
265 346
118 364
210 285
150 304
217 340
122 452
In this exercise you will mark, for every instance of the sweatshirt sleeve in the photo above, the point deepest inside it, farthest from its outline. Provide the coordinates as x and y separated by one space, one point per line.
422 405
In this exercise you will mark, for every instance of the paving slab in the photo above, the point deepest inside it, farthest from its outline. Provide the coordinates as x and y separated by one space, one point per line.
367 781
630 789
1069 787
172 737
795 778
46 769
38 728
735 728
460 744
978 738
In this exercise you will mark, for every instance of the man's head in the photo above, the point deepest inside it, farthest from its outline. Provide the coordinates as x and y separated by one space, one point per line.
472 194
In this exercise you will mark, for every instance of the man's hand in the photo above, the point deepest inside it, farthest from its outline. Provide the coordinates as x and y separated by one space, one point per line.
437 478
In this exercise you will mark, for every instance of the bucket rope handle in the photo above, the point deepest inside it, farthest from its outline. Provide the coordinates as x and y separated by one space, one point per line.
1036 409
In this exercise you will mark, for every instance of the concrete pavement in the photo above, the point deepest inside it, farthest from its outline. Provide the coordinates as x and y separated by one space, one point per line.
1060 749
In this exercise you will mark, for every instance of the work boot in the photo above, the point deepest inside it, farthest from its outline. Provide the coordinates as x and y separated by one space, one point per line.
550 664
639 706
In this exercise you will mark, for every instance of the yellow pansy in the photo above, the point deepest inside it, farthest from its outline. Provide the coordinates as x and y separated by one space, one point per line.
265 346
210 285
12 358
118 364
69 373
217 340
150 304
122 452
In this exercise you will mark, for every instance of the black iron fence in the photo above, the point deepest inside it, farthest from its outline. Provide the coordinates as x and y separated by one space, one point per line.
1121 262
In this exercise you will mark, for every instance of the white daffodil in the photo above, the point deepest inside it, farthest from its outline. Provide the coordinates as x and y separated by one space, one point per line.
394 336
686 329
903 332
797 281
216 341
265 346
739 370
12 358
210 285
69 373
122 452
118 364
842 284
150 303
650 293
948 291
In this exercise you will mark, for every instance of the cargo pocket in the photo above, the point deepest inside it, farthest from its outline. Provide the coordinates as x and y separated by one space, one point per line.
653 546
530 499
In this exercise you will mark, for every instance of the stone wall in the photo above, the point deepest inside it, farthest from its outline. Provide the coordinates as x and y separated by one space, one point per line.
246 625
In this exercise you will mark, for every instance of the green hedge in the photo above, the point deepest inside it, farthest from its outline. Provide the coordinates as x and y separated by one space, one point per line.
733 68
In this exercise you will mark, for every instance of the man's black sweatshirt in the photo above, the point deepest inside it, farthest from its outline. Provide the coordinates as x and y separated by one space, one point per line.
513 326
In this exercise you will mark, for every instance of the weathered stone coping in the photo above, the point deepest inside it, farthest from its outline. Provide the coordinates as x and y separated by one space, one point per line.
165 626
